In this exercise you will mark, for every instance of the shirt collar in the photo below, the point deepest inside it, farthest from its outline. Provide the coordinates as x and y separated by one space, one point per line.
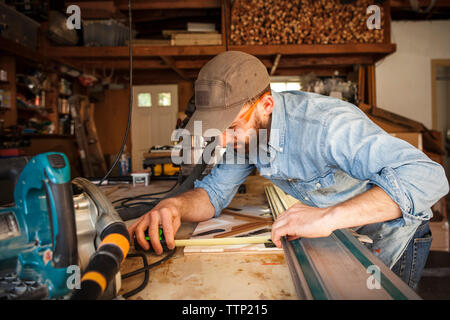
278 124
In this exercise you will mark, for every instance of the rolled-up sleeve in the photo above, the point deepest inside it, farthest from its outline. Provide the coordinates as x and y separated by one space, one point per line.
223 182
352 142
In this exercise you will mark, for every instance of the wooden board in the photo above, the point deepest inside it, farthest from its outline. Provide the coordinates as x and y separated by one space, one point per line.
232 226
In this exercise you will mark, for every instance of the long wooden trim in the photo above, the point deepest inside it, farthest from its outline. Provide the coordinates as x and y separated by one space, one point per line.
435 63
153 51
317 49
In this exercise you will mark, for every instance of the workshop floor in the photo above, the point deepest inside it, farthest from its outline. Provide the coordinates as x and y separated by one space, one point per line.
435 282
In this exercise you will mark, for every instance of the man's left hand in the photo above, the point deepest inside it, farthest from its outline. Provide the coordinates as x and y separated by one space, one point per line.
301 220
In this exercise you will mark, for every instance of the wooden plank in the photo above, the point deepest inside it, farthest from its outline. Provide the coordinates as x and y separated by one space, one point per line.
171 63
246 215
275 64
318 49
9 46
138 51
143 51
405 4
371 84
246 227
285 63
167 4
217 241
397 119
387 21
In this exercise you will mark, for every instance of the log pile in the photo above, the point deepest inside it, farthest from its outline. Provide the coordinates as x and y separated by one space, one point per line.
260 22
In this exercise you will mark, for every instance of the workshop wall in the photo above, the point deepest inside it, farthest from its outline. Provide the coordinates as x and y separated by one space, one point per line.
111 116
403 80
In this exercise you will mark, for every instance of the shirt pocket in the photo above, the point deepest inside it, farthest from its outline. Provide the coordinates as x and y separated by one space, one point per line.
321 182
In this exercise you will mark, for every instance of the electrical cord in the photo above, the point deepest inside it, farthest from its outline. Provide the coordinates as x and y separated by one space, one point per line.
127 130
145 269
145 196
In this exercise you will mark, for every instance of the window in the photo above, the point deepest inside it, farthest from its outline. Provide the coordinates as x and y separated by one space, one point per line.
164 99
144 100
285 86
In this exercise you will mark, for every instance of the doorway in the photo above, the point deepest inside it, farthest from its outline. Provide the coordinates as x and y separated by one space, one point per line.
440 70
155 112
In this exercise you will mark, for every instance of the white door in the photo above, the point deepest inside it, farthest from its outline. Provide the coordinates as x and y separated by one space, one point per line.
155 112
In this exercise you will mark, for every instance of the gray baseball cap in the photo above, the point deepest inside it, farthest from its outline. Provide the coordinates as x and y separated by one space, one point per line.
223 86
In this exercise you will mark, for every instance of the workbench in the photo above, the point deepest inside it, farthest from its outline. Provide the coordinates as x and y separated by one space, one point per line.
334 267
209 276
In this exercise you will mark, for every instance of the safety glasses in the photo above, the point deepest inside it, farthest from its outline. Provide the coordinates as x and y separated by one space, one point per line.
245 118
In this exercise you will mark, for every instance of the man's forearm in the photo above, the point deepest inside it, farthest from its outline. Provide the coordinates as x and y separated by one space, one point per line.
194 205
372 206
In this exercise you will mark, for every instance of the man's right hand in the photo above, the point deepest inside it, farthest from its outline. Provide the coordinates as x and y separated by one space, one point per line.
167 215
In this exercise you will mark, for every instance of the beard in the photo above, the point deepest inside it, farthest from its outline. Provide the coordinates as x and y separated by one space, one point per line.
257 133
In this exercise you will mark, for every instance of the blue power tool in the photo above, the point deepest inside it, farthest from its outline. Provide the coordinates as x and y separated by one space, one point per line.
56 227
38 239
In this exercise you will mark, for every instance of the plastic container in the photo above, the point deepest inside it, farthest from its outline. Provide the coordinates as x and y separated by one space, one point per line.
104 33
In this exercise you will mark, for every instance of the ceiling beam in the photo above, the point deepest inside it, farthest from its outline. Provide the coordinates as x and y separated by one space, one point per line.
171 63
167 4
287 62
405 4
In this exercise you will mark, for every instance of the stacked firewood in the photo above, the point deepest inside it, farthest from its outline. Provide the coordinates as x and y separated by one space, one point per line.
259 22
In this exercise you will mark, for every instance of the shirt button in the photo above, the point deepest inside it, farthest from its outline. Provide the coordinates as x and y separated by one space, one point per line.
318 185
306 198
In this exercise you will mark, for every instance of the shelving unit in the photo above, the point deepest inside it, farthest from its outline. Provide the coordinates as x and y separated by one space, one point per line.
172 64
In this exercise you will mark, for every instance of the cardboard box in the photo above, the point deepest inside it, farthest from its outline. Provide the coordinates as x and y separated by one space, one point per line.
414 138
441 238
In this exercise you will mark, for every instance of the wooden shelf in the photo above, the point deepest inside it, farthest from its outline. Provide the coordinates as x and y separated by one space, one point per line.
48 136
21 51
157 51
184 62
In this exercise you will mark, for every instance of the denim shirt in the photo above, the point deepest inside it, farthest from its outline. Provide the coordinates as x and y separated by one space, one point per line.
325 151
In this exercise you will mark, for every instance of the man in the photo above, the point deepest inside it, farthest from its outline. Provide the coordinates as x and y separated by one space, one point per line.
345 170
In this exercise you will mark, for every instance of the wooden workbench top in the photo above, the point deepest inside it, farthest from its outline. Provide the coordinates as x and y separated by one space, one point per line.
209 276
